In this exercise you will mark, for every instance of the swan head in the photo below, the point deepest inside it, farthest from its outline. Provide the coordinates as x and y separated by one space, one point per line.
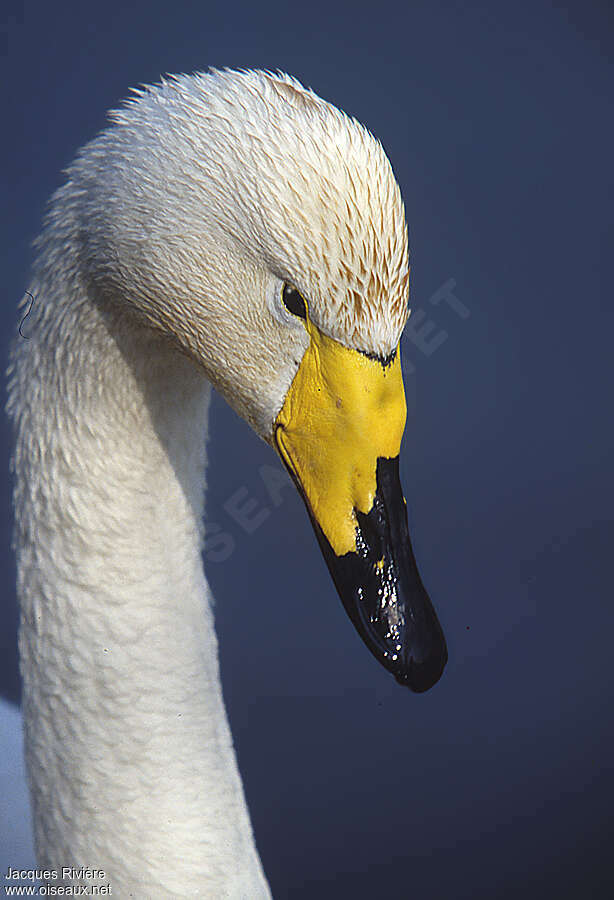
263 230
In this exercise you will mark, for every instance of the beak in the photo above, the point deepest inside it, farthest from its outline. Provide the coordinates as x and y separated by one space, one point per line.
339 435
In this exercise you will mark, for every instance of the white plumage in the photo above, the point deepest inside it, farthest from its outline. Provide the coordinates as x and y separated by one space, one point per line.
159 271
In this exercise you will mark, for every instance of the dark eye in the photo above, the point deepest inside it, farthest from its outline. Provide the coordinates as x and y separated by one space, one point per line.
293 301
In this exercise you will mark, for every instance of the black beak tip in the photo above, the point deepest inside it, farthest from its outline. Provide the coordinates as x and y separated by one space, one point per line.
421 676
381 589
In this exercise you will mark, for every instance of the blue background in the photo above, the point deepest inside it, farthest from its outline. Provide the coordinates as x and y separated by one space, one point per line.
497 118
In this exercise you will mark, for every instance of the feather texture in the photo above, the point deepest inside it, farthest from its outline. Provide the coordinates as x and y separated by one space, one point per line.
159 271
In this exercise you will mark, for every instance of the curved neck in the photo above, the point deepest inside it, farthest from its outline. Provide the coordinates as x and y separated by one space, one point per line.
129 752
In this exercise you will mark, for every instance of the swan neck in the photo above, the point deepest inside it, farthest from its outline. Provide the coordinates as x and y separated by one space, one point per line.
130 757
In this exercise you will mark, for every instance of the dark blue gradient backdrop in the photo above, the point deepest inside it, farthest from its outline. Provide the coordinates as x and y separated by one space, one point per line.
497 118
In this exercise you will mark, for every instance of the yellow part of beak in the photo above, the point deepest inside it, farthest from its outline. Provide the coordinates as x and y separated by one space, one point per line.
343 411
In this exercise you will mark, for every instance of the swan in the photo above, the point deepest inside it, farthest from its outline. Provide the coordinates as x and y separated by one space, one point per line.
228 228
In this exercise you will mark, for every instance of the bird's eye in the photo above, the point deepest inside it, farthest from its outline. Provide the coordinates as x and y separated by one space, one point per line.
293 301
